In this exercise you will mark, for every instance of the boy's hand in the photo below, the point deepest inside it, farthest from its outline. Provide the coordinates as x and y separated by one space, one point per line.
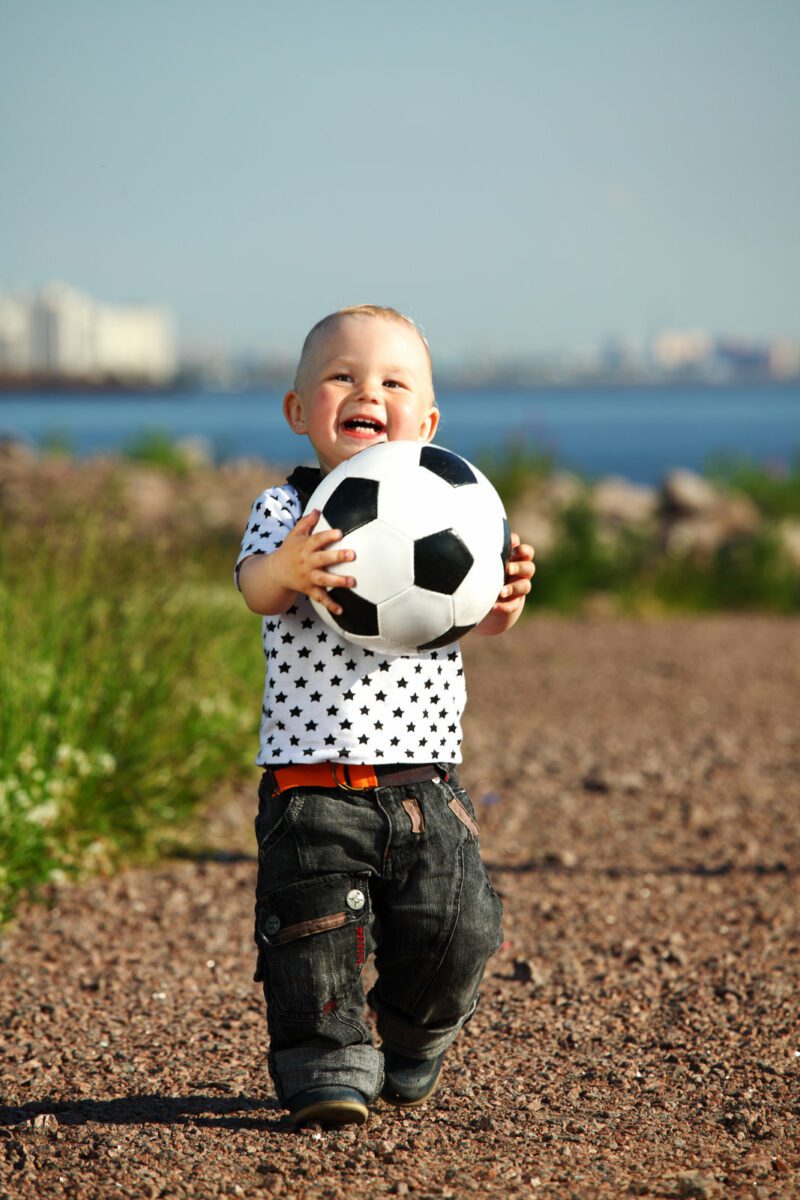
520 569
301 562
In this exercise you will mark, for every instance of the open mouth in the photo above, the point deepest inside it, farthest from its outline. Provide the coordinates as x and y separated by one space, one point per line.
364 426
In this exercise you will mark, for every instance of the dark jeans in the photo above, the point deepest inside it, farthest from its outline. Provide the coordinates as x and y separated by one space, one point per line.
394 869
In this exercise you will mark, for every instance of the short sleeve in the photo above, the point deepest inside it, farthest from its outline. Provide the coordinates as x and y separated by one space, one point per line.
274 513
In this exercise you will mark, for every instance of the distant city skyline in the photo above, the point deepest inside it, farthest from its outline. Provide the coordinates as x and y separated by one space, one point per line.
521 179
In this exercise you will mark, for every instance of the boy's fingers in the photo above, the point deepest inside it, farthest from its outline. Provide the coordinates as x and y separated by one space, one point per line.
325 579
326 557
307 523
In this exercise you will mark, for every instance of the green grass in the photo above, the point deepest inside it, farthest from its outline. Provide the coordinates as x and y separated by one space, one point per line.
129 680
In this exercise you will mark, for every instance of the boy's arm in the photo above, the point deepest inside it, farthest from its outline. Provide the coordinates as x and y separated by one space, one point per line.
506 610
270 582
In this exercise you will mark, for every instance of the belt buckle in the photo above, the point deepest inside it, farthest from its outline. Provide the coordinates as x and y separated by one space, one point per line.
344 783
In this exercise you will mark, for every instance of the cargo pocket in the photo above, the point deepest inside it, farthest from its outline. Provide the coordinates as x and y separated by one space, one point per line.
312 943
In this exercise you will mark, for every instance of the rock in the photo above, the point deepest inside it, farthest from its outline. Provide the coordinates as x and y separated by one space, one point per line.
687 493
617 502
701 535
695 1185
789 541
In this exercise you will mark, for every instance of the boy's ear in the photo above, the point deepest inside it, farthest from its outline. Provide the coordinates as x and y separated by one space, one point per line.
429 424
293 411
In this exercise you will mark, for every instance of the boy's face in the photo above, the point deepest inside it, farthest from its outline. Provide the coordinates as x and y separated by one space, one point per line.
367 380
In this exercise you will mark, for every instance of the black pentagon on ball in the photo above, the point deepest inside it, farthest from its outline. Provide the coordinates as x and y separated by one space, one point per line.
441 562
358 616
453 634
505 553
447 466
352 504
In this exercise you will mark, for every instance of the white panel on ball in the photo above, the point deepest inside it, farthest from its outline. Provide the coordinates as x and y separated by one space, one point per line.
378 576
426 506
409 621
477 593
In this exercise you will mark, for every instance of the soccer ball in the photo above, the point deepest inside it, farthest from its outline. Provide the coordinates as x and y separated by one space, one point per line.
431 542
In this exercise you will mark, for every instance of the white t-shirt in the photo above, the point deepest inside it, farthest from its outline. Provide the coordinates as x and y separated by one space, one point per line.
327 699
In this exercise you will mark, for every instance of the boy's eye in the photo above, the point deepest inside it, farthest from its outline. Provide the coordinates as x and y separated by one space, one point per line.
343 377
392 383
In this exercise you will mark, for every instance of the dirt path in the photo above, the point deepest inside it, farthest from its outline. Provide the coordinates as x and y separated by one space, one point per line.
639 789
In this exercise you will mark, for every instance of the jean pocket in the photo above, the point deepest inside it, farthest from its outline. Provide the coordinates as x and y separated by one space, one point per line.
312 943
275 813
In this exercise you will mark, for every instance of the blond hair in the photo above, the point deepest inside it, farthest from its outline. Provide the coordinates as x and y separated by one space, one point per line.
319 330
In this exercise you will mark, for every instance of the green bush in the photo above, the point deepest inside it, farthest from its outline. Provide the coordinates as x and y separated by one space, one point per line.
775 490
129 682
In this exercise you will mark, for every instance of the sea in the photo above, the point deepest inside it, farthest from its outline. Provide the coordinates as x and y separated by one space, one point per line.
639 433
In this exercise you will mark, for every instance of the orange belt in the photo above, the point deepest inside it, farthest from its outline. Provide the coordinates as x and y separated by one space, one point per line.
353 777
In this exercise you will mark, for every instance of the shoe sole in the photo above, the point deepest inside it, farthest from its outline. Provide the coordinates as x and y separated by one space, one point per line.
397 1102
332 1113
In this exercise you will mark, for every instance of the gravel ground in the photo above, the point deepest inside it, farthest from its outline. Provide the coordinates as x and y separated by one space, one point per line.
639 789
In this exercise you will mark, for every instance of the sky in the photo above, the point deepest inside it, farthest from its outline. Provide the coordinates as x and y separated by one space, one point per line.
520 176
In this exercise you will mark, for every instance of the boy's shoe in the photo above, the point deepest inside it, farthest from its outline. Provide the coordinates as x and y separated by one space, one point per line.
330 1106
409 1081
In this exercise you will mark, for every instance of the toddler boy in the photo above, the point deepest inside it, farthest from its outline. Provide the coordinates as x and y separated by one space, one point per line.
364 831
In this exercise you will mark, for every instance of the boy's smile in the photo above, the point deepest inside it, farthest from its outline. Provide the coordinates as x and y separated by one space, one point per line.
368 380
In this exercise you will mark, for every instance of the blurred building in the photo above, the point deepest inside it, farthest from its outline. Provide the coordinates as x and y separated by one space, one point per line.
62 333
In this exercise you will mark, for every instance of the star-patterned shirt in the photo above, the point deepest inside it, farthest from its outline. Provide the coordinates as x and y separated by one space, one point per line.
329 700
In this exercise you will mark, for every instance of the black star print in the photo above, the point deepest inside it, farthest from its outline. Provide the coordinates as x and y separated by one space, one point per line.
316 697
379 724
271 626
303 652
413 699
321 636
350 665
402 683
423 741
418 668
447 687
435 654
319 666
451 728
258 505
287 638
330 740
308 751
337 651
280 725
280 698
398 712
311 726
453 655
292 611
344 754
395 741
425 713
363 739
368 653
411 727
284 667
348 695
332 711
428 684
380 695
365 711
442 712
294 741
346 724
295 712
307 623
255 528
335 680
300 682
383 666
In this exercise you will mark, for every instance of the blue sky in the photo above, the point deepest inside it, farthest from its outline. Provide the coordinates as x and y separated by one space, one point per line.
521 175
